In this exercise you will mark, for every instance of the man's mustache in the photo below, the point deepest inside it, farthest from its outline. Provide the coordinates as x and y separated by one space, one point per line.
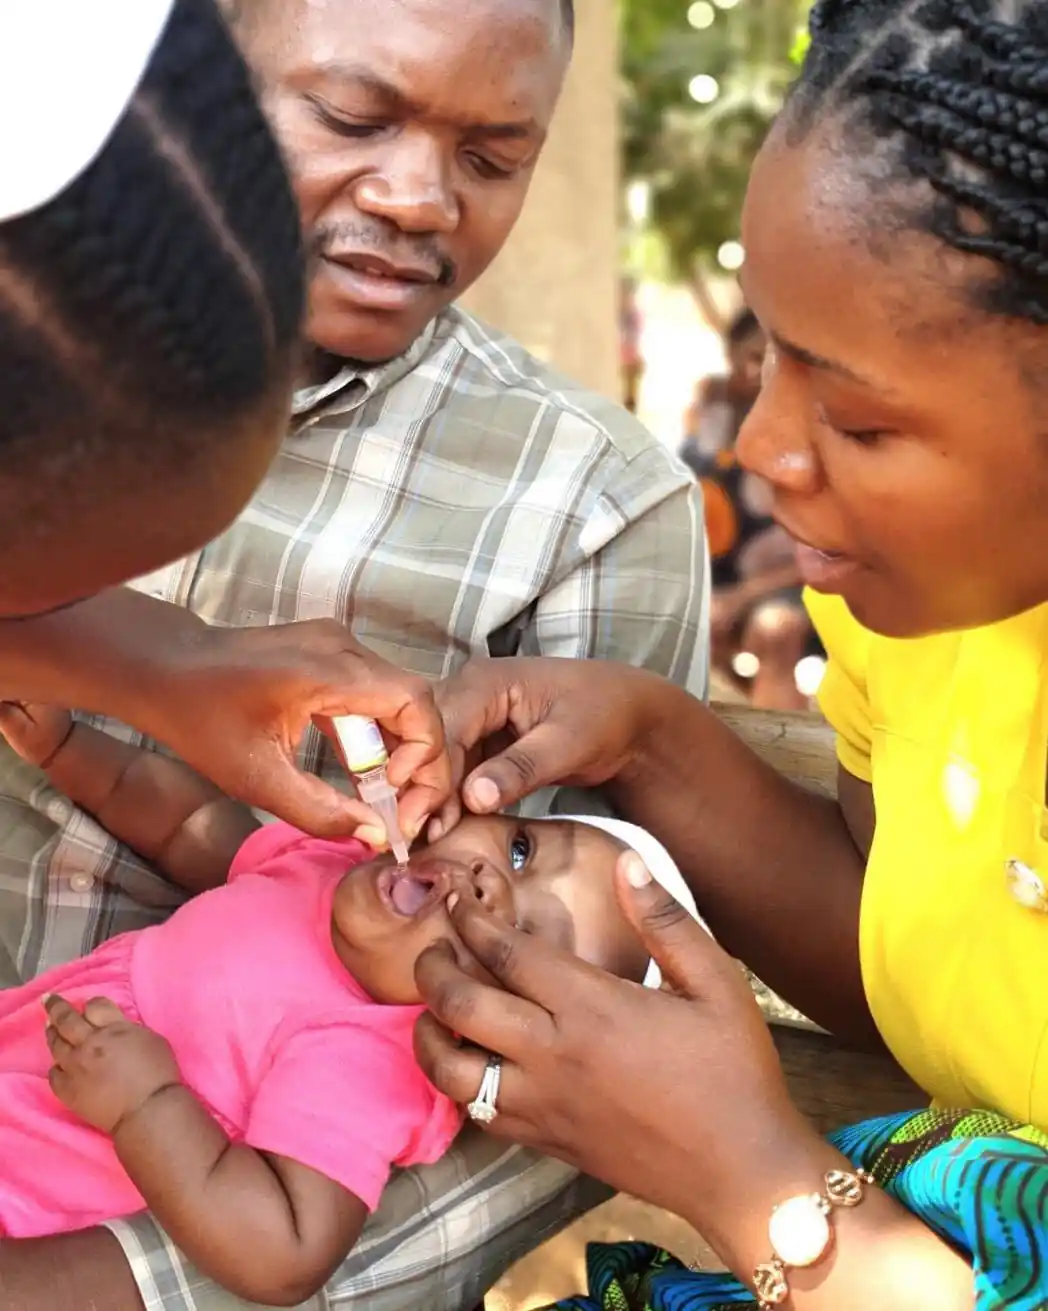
380 241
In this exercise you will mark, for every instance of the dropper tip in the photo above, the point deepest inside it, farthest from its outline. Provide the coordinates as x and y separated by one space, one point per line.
383 800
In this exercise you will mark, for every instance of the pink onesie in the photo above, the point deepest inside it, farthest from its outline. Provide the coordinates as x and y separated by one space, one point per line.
287 1051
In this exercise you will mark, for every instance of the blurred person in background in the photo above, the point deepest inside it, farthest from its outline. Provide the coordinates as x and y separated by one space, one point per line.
631 358
759 630
722 401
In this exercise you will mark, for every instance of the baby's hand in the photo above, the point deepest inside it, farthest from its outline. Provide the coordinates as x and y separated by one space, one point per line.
35 730
105 1067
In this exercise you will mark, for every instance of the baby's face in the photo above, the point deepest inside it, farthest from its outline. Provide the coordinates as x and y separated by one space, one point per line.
552 878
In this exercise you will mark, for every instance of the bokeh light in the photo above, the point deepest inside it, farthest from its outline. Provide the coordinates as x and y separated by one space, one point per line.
704 89
701 15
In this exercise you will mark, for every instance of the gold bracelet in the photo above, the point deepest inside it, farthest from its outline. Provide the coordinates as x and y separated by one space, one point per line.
800 1232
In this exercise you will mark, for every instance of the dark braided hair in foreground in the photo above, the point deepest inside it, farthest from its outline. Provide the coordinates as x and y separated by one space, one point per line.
958 92
155 305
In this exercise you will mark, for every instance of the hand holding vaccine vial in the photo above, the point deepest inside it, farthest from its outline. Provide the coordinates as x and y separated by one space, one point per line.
365 756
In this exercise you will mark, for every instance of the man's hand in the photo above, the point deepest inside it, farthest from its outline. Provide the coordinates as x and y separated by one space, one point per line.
105 1067
37 732
236 701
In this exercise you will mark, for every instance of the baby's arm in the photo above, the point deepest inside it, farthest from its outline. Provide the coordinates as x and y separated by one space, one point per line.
172 816
265 1227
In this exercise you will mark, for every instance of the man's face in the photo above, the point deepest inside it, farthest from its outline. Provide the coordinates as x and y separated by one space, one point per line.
411 129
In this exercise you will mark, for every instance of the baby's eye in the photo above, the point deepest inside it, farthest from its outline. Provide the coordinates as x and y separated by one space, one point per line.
519 851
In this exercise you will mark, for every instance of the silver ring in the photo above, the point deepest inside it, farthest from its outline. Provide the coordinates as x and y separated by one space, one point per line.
482 1109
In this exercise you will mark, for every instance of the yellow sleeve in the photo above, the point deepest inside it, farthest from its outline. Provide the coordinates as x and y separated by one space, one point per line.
842 696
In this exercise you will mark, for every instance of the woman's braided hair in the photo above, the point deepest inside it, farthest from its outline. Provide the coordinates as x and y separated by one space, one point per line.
959 89
156 303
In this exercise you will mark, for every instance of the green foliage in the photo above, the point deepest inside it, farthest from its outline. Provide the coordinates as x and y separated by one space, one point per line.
800 47
695 158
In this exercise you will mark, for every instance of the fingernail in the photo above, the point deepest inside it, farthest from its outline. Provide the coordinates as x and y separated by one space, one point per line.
453 901
485 793
435 831
47 998
637 873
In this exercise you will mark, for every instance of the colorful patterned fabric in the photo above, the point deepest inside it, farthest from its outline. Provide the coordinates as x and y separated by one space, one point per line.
462 500
979 1180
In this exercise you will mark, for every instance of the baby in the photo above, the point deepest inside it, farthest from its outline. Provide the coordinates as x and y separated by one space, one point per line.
245 1070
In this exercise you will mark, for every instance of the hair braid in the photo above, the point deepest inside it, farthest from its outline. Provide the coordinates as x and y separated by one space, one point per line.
959 93
170 272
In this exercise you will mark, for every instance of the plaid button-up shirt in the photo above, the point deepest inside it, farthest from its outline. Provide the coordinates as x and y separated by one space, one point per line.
463 500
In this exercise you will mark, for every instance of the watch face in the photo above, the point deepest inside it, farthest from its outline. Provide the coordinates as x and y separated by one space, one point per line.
96 51
799 1230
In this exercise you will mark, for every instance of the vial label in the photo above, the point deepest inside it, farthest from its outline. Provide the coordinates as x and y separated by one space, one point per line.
361 741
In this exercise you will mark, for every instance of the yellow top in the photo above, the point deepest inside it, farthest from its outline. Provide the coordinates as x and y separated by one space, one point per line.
952 731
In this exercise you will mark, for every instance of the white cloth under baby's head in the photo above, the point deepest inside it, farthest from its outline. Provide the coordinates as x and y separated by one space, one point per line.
661 864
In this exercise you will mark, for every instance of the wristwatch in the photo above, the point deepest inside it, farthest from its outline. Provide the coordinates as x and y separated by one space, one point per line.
800 1232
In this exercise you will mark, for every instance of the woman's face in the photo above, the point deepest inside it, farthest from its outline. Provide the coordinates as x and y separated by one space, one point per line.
903 431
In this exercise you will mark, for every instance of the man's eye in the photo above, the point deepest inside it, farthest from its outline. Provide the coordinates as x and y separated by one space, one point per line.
519 851
345 127
487 168
353 130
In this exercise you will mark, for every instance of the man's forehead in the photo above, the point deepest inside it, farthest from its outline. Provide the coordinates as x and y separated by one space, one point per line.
351 19
382 34
494 63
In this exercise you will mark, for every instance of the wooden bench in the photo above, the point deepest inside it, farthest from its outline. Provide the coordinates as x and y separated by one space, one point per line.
831 1083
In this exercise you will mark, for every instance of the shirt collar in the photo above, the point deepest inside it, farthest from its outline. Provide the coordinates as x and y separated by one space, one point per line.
352 386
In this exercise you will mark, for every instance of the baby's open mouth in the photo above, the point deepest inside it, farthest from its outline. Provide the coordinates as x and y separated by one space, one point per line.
409 892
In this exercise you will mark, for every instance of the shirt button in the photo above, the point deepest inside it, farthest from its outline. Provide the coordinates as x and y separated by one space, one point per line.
81 882
1027 886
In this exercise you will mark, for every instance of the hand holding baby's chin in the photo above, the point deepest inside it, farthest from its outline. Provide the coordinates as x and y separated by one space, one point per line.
105 1066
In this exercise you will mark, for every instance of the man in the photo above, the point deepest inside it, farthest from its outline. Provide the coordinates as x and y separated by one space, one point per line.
440 491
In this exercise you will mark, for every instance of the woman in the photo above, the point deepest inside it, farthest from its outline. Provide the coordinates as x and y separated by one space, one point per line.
896 259
151 291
